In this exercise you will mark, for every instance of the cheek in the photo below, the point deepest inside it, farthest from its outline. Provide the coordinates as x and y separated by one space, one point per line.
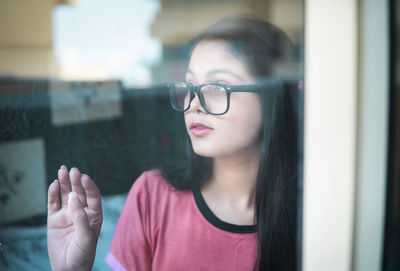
244 119
246 109
235 131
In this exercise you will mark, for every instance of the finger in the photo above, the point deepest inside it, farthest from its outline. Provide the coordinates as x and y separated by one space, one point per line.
93 197
79 217
53 203
76 185
65 185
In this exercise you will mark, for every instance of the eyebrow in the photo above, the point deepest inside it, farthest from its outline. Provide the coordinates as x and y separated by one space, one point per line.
217 71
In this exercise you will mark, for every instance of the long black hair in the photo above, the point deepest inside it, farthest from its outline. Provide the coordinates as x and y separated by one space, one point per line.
265 50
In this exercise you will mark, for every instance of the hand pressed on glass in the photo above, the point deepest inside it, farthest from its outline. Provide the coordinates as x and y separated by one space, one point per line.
74 221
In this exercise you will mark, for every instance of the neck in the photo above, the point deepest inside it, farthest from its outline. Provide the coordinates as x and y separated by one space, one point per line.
234 177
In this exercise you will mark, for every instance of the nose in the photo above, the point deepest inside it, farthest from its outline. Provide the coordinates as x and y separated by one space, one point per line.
195 105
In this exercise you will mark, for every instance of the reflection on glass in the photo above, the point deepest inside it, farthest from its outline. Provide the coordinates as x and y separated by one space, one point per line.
219 178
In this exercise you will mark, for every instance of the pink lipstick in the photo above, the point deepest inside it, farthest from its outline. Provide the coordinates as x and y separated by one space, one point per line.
200 129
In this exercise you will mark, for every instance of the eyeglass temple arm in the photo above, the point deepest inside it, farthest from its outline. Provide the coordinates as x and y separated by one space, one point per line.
263 83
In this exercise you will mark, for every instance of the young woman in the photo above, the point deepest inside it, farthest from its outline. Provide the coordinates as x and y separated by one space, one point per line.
233 205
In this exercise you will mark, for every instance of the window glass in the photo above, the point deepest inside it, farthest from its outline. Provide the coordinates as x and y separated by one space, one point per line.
87 84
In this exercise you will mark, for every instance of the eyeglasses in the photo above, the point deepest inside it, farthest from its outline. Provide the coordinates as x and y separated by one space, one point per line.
214 97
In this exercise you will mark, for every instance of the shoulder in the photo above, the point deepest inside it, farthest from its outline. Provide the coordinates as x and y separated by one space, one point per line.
152 179
151 184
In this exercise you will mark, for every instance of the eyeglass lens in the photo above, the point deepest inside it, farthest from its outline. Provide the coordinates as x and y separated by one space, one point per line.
214 97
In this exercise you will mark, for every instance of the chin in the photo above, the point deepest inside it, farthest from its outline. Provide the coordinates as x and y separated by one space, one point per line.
205 152
203 148
208 150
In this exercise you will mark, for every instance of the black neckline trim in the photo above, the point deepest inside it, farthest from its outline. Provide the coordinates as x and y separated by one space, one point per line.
214 220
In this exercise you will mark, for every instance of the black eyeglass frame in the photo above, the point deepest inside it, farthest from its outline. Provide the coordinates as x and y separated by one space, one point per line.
195 89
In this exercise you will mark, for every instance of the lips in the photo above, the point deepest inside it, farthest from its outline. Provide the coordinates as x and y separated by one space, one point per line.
200 129
199 125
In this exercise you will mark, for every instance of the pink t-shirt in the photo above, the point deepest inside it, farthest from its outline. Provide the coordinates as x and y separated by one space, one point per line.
161 228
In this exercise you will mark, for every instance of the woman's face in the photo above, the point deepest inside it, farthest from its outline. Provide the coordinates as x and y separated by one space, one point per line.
237 130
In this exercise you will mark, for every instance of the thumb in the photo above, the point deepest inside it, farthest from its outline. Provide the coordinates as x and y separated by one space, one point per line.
79 216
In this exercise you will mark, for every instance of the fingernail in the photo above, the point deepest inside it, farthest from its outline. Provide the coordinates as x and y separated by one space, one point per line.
63 167
55 181
74 203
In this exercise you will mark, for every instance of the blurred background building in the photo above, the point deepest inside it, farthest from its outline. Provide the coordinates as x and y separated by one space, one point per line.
134 41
